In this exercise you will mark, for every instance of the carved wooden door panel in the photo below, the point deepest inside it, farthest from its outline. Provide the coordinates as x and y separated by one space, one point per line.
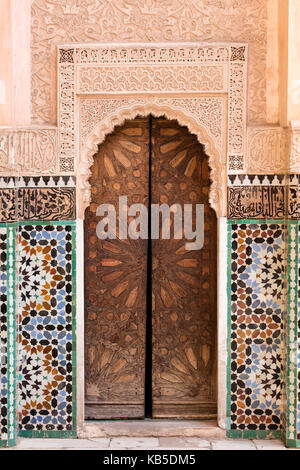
183 282
179 380
116 280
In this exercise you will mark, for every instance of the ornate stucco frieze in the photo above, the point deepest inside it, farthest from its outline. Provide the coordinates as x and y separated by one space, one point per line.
225 21
203 86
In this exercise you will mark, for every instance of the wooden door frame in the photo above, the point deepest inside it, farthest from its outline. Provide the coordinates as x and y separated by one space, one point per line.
205 89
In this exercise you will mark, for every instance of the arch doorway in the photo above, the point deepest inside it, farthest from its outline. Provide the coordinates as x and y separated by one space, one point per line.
150 305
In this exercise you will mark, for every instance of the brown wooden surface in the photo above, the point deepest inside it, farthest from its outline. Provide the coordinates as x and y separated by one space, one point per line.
115 281
183 283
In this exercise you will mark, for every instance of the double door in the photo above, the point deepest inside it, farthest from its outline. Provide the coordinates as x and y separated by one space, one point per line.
150 305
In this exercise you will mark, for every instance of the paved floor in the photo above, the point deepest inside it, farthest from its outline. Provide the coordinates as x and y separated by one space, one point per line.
147 443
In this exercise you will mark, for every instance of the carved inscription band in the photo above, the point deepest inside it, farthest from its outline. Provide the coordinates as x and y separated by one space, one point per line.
35 199
263 196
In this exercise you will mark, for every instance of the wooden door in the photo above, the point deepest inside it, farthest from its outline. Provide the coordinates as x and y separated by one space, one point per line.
183 282
160 345
115 281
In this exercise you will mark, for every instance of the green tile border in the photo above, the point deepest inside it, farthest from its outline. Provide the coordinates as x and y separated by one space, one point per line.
4 442
12 323
228 381
55 434
292 330
74 337
249 434
48 434
11 337
236 433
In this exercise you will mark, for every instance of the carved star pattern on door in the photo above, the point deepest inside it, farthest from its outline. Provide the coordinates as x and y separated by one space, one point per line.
183 282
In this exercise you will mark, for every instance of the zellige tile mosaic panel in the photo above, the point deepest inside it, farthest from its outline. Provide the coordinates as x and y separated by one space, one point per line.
47 374
256 289
7 337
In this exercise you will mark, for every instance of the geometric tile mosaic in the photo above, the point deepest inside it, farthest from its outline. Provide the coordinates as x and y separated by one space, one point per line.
292 427
47 343
256 293
7 337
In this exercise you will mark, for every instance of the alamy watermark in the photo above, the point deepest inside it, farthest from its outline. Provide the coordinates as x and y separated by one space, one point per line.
138 227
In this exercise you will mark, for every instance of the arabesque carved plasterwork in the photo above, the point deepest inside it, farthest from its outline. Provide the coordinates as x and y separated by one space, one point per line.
268 150
294 140
143 107
28 151
210 112
111 21
213 109
158 78
140 69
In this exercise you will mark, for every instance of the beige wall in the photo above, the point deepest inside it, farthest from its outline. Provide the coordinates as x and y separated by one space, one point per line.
293 112
5 64
15 63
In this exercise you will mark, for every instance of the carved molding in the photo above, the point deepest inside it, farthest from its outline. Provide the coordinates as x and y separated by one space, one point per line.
157 69
211 80
37 198
217 164
198 72
267 150
28 151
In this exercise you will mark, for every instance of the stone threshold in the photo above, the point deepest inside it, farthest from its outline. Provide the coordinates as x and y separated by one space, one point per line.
151 428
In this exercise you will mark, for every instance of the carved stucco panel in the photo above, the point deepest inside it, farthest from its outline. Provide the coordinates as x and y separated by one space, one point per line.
156 69
267 150
210 112
151 78
64 21
28 151
294 140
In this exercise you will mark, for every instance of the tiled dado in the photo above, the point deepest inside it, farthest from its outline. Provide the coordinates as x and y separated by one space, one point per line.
46 331
292 373
263 196
257 299
8 424
37 198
